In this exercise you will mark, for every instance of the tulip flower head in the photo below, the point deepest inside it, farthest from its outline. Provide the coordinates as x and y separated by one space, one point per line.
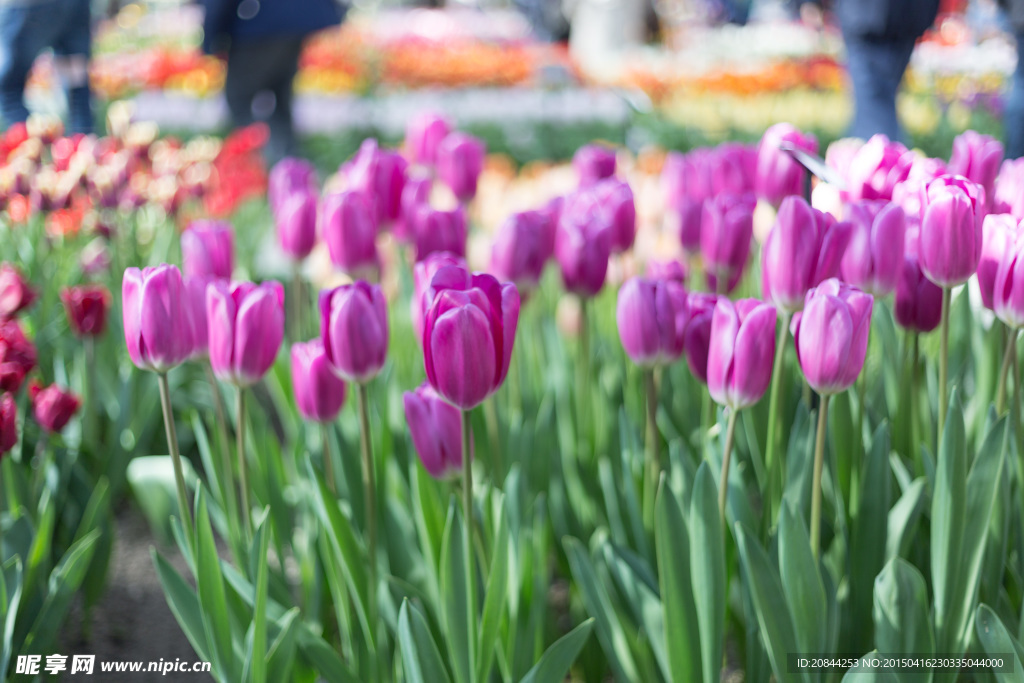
701 307
741 351
615 198
15 293
246 328
415 194
876 168
468 335
52 406
17 356
350 231
423 136
207 249
734 168
354 329
778 174
1009 188
380 174
195 289
593 163
831 335
1008 289
670 270
8 423
977 157
422 275
998 234
460 160
158 320
287 177
582 249
319 392
874 255
436 230
86 307
436 429
652 316
918 303
727 227
296 221
524 244
952 214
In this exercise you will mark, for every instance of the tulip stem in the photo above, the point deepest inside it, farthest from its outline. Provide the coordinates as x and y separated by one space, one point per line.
819 461
774 465
583 377
1011 349
172 445
467 537
91 415
944 361
491 418
914 358
299 301
225 450
723 482
653 447
243 472
370 486
325 434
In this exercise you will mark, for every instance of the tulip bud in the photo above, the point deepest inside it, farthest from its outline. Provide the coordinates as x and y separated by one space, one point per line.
15 293
951 237
422 275
468 335
415 194
319 392
158 324
1008 290
460 160
347 223
524 244
8 423
998 233
874 256
52 407
295 219
741 351
423 136
698 332
288 176
207 249
246 327
354 329
1009 189
778 174
918 303
727 227
876 168
652 316
803 249
977 157
582 249
195 289
593 163
687 219
615 198
831 335
380 174
734 169
670 270
86 307
435 230
436 429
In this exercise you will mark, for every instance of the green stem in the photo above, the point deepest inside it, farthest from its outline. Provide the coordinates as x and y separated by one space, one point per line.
370 485
172 445
225 450
583 378
91 424
653 447
300 301
491 419
328 459
944 362
915 355
243 472
774 464
467 540
723 482
819 461
1011 348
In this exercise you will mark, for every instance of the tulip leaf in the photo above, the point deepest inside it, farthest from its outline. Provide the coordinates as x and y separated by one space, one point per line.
707 568
494 599
453 589
10 600
212 597
184 605
870 674
421 660
281 655
257 659
324 659
903 518
556 661
801 583
799 461
639 591
902 623
998 642
949 505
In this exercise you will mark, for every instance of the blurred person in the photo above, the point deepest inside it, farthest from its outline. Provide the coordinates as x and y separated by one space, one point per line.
1013 117
27 28
545 17
262 42
880 37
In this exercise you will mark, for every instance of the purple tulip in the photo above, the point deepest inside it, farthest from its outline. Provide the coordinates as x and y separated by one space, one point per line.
977 157
741 351
436 429
1008 292
354 328
778 174
524 244
669 270
208 249
582 249
907 193
652 316
195 288
999 232
158 325
804 248
296 223
831 335
874 256
593 163
347 223
1009 188
684 177
840 153
951 219
468 336
698 332
380 174
727 226
246 327
435 230
415 194
288 176
422 274
876 168
460 160
734 168
918 303
615 198
423 136
319 392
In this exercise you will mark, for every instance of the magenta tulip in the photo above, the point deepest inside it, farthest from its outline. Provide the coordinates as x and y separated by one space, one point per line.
1008 292
734 168
195 289
977 157
951 237
831 335
918 303
874 256
727 227
698 332
998 234
778 174
436 429
804 248
158 321
741 351
423 136
422 274
1009 189
652 316
208 249
288 176
615 198
319 392
524 244
295 219
52 406
8 423
582 249
18 356
876 168
670 270
380 175
907 193
246 327
354 329
593 163
468 335
15 293
415 194
350 231
436 230
460 160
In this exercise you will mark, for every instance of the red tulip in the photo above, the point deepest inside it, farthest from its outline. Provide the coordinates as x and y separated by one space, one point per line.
17 356
52 406
15 292
87 308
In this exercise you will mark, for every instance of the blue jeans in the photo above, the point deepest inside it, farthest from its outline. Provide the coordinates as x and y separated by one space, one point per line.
25 32
1013 117
876 68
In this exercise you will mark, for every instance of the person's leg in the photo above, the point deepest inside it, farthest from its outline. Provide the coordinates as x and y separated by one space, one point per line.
23 35
244 78
282 132
1013 118
71 51
876 69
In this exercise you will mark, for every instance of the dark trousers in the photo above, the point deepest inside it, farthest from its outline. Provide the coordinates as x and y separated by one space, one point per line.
876 68
258 87
1013 117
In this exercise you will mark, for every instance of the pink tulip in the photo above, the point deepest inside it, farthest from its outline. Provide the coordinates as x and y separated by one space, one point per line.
876 168
804 248
208 249
734 168
380 175
1009 189
652 316
288 176
727 227
874 256
593 163
778 174
831 335
950 243
998 234
8 423
741 352
423 136
460 160
415 194
350 231
669 270
435 230
977 157
582 249
615 198
354 329
52 406
436 429
195 289
907 193
246 327
295 220
698 332
158 321
319 392
918 303
15 293
1008 292
840 153
524 244
422 274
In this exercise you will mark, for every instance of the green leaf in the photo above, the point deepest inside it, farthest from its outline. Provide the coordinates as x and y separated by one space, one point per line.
10 600
997 641
183 603
801 583
212 598
453 588
707 568
281 657
799 461
421 659
257 659
902 623
324 659
556 661
494 599
870 674
682 629
903 519
949 505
